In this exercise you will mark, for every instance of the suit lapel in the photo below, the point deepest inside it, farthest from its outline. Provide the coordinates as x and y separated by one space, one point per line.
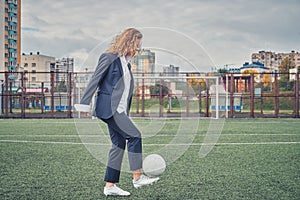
131 81
120 65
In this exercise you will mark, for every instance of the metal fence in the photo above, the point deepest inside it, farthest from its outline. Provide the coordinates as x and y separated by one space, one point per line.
53 94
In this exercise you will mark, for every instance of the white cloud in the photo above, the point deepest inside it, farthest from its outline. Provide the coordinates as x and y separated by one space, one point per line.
228 30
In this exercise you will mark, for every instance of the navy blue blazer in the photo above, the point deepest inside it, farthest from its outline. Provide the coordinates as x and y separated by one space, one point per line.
109 83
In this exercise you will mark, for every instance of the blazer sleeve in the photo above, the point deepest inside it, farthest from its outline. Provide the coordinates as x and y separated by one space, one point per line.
103 64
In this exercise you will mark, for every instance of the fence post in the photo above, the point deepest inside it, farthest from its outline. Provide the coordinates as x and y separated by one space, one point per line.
236 82
1 97
231 95
261 97
200 99
6 95
69 94
296 107
42 100
137 95
52 93
160 98
207 101
276 91
187 98
22 100
10 97
251 95
143 96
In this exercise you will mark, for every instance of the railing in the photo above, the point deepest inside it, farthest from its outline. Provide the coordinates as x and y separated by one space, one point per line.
50 95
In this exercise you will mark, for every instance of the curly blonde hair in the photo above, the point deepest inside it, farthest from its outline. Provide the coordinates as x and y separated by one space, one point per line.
126 43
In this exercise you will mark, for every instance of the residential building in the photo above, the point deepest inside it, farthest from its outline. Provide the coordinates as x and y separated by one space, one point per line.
2 37
171 71
273 60
63 66
10 35
144 62
38 67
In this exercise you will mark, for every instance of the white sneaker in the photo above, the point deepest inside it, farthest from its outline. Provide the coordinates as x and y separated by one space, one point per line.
144 180
115 191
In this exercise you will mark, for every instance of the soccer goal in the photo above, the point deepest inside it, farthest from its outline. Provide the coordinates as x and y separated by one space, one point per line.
184 95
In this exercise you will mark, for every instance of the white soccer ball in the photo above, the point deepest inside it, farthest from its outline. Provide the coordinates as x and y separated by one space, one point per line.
154 165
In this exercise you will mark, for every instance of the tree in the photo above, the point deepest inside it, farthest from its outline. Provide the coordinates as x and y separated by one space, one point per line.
223 71
194 82
266 79
61 87
247 72
286 65
284 68
155 90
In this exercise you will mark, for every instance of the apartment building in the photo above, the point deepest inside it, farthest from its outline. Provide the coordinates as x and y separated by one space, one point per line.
10 35
144 62
273 60
38 67
63 66
171 70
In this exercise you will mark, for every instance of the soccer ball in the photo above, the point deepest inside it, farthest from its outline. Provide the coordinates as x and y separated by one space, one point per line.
154 165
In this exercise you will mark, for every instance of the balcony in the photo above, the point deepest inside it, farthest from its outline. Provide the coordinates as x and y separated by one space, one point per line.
12 60
12 5
14 37
12 50
11 28
12 23
13 2
11 68
12 10
12 14
12 41
13 19
12 46
11 32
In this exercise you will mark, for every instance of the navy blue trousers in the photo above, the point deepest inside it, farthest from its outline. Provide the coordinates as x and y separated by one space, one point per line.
121 129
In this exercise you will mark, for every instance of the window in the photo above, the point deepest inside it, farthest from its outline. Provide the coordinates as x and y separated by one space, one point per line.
25 64
33 71
33 65
33 78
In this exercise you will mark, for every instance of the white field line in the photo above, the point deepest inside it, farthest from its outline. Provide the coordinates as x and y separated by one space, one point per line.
193 144
145 135
139 121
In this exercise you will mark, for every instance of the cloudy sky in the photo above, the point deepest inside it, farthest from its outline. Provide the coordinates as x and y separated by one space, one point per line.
198 33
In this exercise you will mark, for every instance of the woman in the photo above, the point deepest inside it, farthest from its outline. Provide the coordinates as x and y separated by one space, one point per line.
114 82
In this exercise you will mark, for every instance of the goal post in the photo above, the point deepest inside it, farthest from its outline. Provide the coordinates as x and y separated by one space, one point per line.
208 91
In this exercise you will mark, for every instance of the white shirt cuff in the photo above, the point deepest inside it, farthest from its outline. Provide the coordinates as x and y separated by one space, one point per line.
82 107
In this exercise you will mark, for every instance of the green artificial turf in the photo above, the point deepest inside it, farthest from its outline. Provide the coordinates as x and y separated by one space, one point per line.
252 159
